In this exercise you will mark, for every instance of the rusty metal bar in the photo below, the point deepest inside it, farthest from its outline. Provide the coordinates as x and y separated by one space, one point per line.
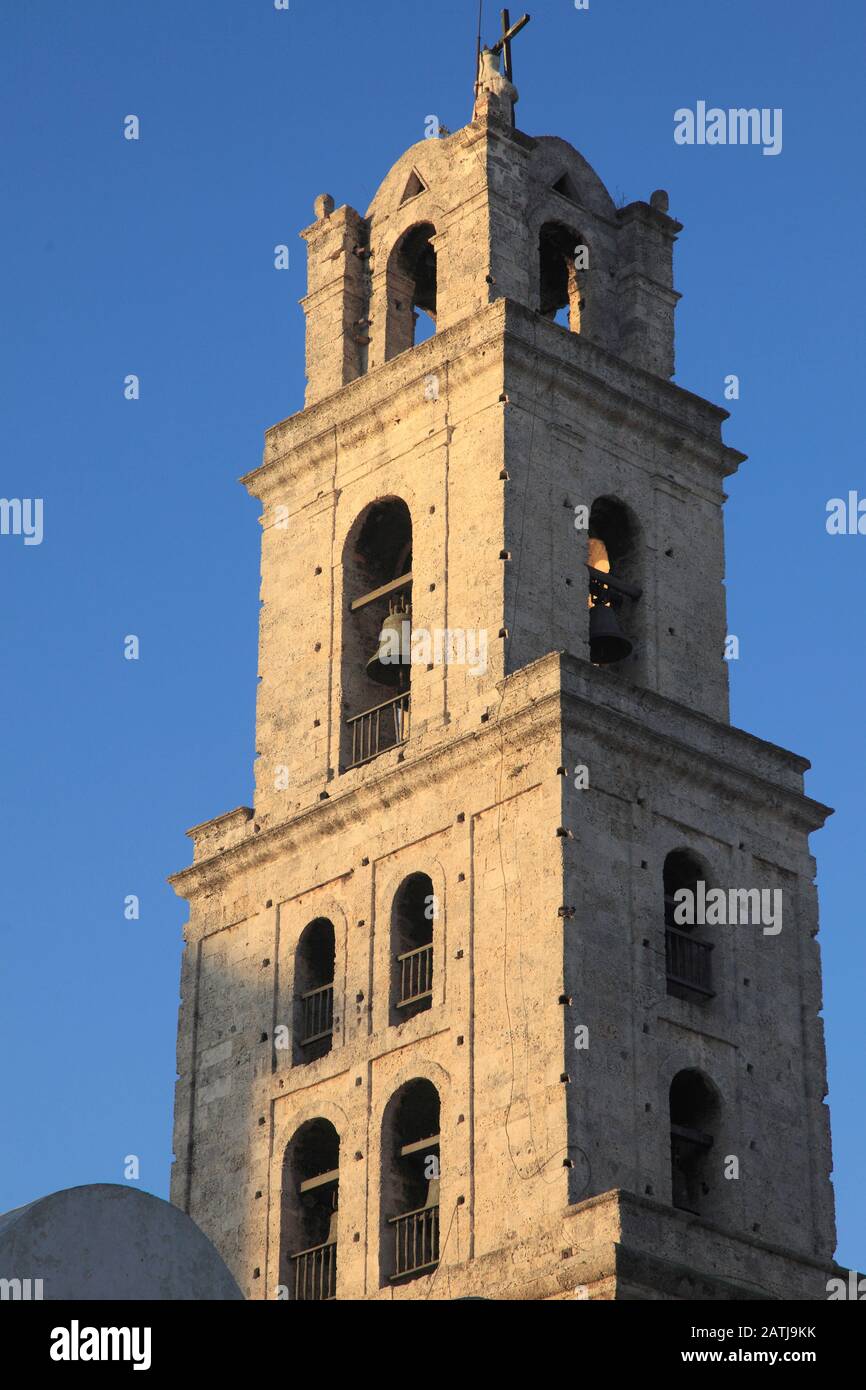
609 581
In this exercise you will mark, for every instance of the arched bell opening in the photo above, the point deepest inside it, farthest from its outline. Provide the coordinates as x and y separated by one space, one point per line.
412 916
563 266
410 1172
411 290
614 591
310 1200
696 1173
688 949
314 992
376 648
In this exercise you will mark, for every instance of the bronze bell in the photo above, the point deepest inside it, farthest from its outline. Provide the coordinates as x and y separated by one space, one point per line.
388 664
606 641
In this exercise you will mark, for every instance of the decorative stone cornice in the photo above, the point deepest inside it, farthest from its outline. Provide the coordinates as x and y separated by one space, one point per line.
557 692
696 747
376 793
630 392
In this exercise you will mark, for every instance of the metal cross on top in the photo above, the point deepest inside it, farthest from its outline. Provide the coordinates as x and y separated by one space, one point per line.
509 31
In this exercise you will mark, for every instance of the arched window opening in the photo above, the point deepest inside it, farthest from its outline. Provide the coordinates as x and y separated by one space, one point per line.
410 1183
694 1117
688 954
314 991
311 1180
412 917
411 290
611 561
563 265
377 632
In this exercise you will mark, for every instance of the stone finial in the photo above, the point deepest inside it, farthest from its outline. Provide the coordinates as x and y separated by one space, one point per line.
660 200
495 96
323 206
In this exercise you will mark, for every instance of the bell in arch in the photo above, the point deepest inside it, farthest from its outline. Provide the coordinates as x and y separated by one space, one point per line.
389 664
607 643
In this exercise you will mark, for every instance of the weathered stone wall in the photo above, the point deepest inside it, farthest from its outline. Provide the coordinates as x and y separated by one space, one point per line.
480 816
514 975
502 392
392 434
738 805
337 301
550 909
487 192
580 425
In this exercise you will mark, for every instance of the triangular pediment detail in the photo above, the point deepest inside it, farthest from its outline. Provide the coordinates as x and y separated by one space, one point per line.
415 186
565 187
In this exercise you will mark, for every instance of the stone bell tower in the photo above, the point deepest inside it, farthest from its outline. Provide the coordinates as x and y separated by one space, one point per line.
443 1032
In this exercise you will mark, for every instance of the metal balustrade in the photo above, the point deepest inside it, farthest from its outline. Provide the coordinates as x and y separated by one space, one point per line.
318 1014
378 729
689 961
416 975
316 1273
416 1237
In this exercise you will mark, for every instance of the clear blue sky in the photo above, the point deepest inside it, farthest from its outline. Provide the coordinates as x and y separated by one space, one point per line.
156 258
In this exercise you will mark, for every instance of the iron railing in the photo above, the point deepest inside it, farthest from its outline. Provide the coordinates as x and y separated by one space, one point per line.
316 1273
317 1020
376 730
416 975
416 1241
689 961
